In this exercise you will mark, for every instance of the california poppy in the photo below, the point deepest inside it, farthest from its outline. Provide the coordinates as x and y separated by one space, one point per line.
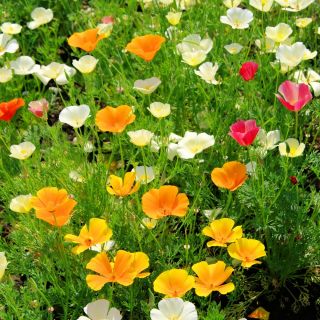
146 46
126 267
9 109
114 119
122 187
248 70
53 205
259 313
231 176
244 131
86 40
165 201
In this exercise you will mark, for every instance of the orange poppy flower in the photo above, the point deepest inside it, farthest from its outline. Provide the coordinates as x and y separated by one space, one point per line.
114 119
165 201
53 206
146 46
122 188
231 176
211 277
9 109
173 283
260 313
86 40
98 233
126 267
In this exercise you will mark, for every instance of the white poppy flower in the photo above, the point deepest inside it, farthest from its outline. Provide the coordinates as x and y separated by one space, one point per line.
21 204
185 4
298 5
207 72
159 109
148 223
5 74
147 86
10 28
193 42
141 137
76 176
57 71
174 308
85 64
144 174
174 17
40 16
262 5
24 65
100 310
303 22
279 33
22 151
194 58
312 79
268 141
295 148
231 3
75 116
233 48
7 44
283 3
291 55
237 18
100 247
3 264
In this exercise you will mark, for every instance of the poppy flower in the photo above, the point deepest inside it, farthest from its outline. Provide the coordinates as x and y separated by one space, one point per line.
123 187
259 313
248 70
97 233
39 107
86 40
244 131
211 277
295 148
222 232
114 119
140 138
21 204
9 109
173 283
53 205
22 151
126 267
146 46
100 310
294 96
165 201
247 251
3 264
231 176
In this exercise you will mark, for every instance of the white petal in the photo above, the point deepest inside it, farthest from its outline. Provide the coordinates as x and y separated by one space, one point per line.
98 309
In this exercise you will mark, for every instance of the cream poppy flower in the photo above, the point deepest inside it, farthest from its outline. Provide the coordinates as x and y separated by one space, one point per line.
290 55
147 86
194 42
21 204
57 71
40 16
10 28
85 64
231 3
295 148
22 151
76 176
5 74
144 174
7 44
303 22
207 72
194 58
185 4
149 223
311 78
267 141
283 3
262 5
298 5
174 17
75 116
141 137
233 48
159 109
279 33
3 264
237 18
24 65
105 29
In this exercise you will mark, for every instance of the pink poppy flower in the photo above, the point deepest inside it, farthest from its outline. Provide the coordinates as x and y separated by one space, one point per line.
248 70
294 96
39 107
244 131
107 20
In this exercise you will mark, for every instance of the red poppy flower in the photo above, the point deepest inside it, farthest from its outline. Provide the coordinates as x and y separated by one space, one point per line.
244 132
248 70
9 109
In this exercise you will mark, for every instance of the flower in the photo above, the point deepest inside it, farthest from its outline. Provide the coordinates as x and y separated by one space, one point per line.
193 43
237 18
126 267
174 308
40 16
268 141
107 20
10 28
114 119
165 201
159 109
248 70
21 204
231 3
262 5
5 75
100 310
97 233
3 264
75 116
59 72
259 313
174 17
231 176
222 232
173 283
22 151
293 180
279 33
76 176
244 131
24 65
298 5
247 250
53 205
295 148
117 186
147 86
141 137
86 40
207 72
7 44
233 48
105 29
39 107
146 46
211 278
294 96
9 109
303 22
85 64
194 58
149 223
312 79
144 174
